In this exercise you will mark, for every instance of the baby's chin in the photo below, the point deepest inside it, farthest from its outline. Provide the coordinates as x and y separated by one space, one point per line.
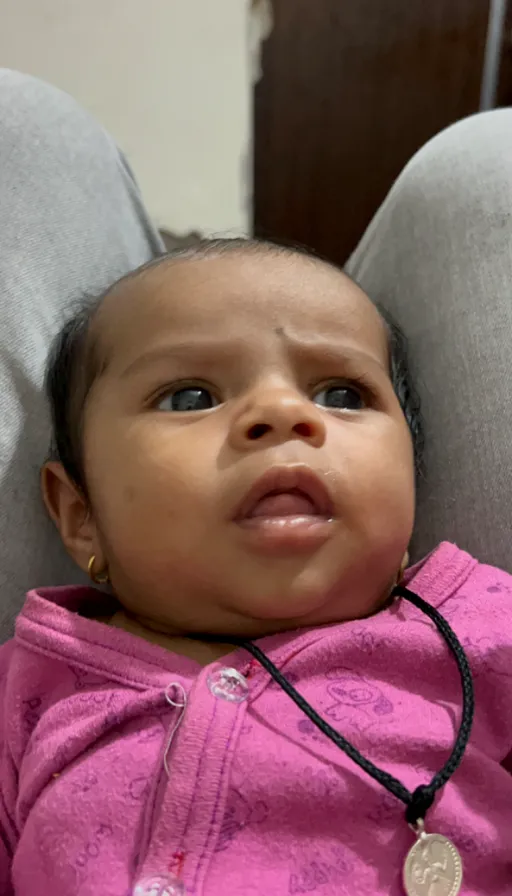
305 607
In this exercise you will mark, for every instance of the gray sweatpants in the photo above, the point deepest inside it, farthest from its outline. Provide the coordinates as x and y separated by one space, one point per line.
438 255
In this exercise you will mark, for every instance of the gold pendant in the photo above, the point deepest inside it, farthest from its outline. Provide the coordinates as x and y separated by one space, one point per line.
433 866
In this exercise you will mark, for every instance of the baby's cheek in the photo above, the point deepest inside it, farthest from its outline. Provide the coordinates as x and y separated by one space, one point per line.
149 518
384 505
145 476
389 522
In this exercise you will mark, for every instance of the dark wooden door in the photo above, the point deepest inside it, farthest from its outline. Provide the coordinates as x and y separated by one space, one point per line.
504 92
350 90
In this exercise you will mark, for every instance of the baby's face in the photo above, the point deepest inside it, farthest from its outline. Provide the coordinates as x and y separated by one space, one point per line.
247 460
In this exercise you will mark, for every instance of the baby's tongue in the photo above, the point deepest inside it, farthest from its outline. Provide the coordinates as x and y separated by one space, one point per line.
284 504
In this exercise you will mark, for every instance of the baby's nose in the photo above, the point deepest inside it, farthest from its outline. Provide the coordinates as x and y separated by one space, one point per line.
275 416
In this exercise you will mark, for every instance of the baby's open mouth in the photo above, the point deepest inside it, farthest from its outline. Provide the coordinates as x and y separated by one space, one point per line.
284 504
288 509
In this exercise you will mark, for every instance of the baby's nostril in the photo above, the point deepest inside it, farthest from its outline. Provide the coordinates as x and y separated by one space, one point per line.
303 430
258 430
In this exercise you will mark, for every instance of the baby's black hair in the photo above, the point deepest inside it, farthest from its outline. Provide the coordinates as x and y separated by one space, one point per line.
74 362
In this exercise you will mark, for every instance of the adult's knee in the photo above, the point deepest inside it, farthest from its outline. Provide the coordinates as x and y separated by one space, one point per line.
452 197
437 255
36 117
19 88
24 99
462 167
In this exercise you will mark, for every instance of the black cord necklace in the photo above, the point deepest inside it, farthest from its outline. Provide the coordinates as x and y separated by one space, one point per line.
433 858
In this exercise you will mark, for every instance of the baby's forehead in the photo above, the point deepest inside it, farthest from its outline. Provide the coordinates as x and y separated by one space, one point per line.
241 295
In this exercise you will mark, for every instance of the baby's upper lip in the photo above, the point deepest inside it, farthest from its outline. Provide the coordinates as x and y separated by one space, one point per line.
285 479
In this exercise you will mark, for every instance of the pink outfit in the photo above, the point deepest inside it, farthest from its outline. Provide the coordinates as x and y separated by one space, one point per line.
256 800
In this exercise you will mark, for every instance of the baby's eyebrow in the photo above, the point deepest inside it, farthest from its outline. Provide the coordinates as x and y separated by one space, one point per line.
346 348
346 353
230 351
186 349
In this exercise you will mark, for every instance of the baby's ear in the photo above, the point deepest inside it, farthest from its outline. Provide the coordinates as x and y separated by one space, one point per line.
69 510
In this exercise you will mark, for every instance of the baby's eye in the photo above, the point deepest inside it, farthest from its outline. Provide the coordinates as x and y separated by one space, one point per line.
188 398
342 397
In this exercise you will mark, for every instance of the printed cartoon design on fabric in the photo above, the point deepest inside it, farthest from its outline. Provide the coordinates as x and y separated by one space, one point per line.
363 640
91 850
246 729
462 605
456 608
103 699
138 788
499 587
326 868
82 785
74 860
85 679
239 814
348 689
387 808
352 689
309 729
486 658
32 712
318 781
324 781
92 690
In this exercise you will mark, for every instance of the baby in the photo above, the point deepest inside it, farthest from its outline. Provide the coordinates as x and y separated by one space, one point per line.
235 446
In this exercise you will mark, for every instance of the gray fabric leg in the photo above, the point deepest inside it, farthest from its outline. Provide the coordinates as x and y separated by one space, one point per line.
438 255
71 221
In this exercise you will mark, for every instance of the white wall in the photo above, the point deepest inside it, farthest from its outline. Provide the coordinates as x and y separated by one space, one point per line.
169 78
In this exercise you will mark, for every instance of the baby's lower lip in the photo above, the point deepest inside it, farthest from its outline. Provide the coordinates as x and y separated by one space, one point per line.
290 534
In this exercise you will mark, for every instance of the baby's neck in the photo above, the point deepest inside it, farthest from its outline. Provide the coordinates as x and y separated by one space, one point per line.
202 652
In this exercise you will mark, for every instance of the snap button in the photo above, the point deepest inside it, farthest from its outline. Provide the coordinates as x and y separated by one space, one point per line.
228 684
160 885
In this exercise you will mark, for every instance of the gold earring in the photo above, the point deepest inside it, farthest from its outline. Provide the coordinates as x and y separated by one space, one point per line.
101 578
403 567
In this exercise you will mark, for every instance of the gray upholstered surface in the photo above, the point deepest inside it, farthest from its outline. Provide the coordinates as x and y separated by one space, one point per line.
71 221
439 256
